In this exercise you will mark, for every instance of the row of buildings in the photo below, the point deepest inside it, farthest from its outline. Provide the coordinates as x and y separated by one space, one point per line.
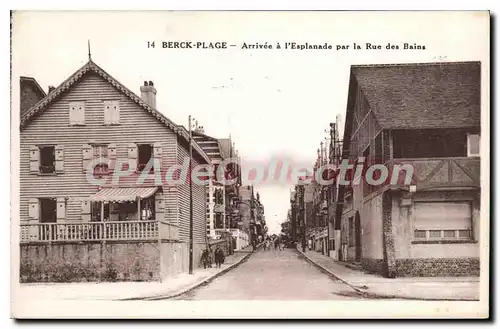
103 187
424 118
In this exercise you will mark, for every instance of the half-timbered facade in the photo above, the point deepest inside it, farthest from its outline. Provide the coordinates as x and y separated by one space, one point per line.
425 117
104 193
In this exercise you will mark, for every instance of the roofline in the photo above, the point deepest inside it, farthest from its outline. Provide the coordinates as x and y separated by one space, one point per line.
413 64
41 105
37 85
202 134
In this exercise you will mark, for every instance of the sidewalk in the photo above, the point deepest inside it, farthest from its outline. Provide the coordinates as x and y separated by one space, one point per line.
128 290
421 288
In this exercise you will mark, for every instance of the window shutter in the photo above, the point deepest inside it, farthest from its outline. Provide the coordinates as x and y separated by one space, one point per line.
159 207
86 156
85 211
157 154
111 112
159 202
34 159
115 112
77 113
112 151
34 209
107 112
61 209
442 215
111 156
132 156
59 156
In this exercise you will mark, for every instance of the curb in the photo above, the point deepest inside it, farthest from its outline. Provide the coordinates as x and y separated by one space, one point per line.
195 285
375 295
330 274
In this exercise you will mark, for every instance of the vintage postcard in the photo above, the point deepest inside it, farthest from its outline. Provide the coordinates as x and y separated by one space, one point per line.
184 164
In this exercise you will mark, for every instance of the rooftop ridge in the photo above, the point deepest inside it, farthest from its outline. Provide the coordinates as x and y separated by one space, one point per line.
415 64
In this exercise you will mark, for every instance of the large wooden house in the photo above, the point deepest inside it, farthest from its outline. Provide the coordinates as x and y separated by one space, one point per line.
101 189
426 117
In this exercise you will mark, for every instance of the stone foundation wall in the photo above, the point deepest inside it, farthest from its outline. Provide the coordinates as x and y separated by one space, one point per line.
437 267
77 262
426 267
175 257
373 265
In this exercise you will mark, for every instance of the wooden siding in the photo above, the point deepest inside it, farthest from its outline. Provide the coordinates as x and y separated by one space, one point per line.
199 204
52 127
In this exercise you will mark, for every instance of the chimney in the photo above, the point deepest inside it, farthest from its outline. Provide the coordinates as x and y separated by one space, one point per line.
200 129
148 93
51 89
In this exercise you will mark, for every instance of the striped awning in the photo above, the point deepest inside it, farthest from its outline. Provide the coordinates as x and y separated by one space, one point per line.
123 194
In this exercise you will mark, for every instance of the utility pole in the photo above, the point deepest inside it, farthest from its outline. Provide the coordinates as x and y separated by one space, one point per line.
190 198
252 220
294 212
303 213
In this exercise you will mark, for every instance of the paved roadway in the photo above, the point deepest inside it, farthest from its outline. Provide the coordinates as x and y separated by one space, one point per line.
274 275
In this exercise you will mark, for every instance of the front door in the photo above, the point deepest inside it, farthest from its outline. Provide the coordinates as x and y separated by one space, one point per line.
357 229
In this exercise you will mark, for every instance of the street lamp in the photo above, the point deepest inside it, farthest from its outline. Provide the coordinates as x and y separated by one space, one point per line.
192 124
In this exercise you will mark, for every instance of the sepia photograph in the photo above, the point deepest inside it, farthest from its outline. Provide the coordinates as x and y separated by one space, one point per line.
218 164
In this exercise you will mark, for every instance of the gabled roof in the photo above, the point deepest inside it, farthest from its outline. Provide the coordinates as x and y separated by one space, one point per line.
424 95
209 145
90 66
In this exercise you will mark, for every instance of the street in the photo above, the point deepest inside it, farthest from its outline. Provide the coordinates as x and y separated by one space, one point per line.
274 275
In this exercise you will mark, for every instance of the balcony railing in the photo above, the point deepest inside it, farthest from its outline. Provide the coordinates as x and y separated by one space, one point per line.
93 231
47 169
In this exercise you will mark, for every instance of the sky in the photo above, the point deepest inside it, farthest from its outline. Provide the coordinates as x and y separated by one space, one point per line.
273 103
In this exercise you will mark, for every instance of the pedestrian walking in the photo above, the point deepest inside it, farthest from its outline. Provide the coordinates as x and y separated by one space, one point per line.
219 257
206 258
